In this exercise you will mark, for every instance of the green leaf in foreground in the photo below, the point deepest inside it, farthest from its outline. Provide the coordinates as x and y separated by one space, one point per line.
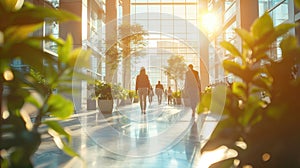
60 107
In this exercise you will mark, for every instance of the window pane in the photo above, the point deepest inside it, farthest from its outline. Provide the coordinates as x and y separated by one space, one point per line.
280 14
179 26
154 8
191 12
154 25
167 26
179 11
141 9
167 9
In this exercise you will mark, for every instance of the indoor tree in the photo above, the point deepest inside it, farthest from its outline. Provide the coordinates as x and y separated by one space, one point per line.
176 69
131 39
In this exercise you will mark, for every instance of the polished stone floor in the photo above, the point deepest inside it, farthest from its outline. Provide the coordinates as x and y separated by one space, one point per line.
165 137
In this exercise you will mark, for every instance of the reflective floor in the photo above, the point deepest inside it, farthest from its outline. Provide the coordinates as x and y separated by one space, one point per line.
165 137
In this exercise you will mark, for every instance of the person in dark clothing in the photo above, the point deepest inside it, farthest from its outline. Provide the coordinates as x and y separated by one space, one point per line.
170 97
142 86
192 87
159 89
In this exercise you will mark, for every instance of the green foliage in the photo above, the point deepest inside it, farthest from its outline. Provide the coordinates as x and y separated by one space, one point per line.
108 91
118 92
20 138
132 94
103 90
297 3
130 40
176 94
205 102
267 125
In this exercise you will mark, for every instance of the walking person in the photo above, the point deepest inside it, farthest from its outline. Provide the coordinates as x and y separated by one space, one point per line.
192 87
169 93
166 94
142 86
150 95
159 89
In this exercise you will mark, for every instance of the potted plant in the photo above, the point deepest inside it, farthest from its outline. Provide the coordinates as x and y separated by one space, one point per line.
177 96
20 137
119 94
131 94
103 94
263 132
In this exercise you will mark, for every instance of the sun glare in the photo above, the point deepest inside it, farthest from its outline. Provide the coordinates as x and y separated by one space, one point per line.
210 157
209 22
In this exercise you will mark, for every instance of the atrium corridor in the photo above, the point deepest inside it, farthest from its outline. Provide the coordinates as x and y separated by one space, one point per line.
165 137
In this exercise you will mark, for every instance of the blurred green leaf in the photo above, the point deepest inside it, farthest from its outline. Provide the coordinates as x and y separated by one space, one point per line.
297 3
31 56
68 150
283 29
30 15
4 65
231 48
252 104
262 26
262 82
58 128
79 58
246 37
65 50
276 111
269 38
16 34
33 100
289 43
54 125
11 5
239 89
60 107
205 102
16 100
233 67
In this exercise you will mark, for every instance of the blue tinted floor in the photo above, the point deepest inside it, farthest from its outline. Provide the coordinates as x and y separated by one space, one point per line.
165 137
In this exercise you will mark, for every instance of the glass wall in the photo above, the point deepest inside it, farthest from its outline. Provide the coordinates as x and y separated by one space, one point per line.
51 27
172 26
278 10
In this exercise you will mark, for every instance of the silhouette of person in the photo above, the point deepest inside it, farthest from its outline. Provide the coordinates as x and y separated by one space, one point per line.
159 89
169 92
142 86
192 87
150 95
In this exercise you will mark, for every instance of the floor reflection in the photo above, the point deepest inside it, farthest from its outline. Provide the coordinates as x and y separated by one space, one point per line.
165 137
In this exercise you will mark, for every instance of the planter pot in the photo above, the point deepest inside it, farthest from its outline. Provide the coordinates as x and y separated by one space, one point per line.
125 102
135 100
91 104
105 106
178 100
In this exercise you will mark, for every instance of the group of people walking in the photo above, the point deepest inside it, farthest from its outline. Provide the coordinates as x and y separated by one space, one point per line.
192 88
